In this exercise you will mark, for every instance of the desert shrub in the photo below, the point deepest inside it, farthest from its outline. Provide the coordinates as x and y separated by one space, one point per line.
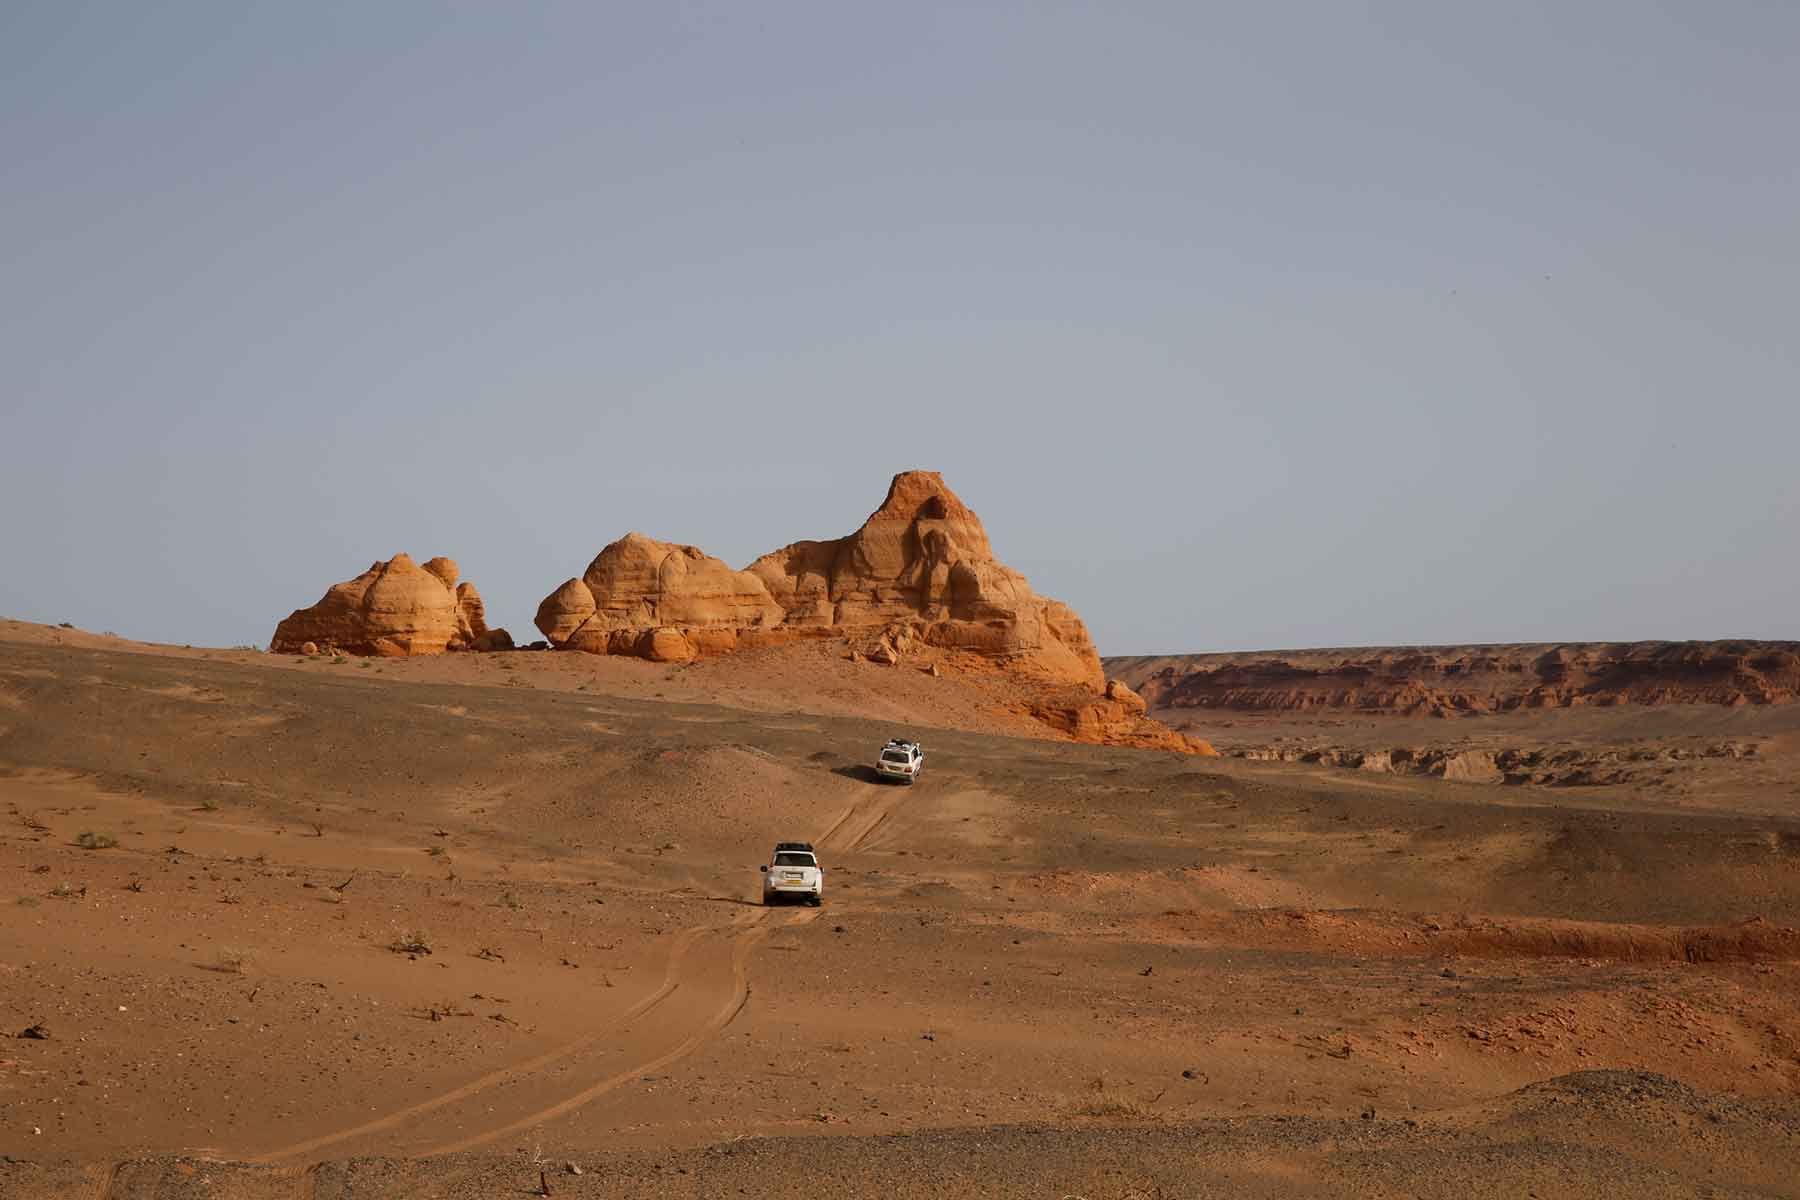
1113 1104
1106 1101
89 840
209 804
413 941
65 891
231 960
340 659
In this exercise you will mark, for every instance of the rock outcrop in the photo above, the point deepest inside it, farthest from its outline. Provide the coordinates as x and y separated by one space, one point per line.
1114 717
395 608
656 600
1555 766
1468 680
918 573
1119 690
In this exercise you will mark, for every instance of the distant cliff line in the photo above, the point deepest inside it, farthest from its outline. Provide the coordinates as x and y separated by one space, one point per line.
1468 680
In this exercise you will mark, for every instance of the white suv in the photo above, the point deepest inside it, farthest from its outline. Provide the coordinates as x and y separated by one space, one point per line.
900 759
794 871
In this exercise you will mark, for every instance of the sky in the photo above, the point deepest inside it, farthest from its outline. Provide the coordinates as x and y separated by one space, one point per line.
1240 325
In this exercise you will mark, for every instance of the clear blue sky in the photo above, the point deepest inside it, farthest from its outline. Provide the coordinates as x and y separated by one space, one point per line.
1241 325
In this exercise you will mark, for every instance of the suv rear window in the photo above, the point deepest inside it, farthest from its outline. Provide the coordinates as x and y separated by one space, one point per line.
791 859
895 756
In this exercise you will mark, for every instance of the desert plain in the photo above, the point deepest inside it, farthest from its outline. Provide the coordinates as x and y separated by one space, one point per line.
481 925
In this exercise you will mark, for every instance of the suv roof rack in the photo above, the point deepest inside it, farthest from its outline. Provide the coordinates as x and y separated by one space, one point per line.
806 846
901 742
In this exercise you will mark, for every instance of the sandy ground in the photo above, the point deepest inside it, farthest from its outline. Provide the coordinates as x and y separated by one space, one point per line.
433 928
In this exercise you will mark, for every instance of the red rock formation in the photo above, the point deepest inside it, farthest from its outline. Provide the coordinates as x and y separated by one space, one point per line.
394 608
1114 717
1119 690
919 572
658 601
1457 680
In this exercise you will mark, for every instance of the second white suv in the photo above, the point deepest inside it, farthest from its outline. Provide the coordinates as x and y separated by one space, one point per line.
900 759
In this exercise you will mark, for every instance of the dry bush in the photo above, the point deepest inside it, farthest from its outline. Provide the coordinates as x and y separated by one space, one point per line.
1106 1101
413 941
89 840
231 960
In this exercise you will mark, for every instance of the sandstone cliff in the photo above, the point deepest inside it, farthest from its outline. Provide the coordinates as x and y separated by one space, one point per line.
394 608
656 600
1458 680
919 572
1643 765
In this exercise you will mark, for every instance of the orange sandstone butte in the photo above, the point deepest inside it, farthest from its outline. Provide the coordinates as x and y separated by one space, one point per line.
395 608
919 572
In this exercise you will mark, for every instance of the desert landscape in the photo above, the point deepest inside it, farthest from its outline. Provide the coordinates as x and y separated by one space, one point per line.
395 909
919 601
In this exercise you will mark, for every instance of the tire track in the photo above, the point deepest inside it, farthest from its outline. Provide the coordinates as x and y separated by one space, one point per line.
863 840
671 980
754 928
109 1178
859 823
747 928
825 838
